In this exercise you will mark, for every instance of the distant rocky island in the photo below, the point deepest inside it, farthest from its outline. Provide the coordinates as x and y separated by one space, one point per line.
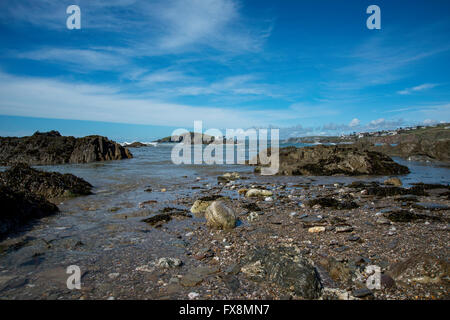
50 148
136 144
194 137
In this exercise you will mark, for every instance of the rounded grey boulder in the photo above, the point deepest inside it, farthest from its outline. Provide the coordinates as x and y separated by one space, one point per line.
219 216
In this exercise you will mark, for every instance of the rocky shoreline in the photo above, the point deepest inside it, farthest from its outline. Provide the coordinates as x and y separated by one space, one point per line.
233 236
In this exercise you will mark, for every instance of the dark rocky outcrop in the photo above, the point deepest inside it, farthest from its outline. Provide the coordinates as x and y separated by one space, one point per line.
22 178
20 208
334 160
51 148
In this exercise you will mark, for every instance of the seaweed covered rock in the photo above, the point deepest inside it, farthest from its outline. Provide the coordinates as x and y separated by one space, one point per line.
19 208
396 182
51 148
421 268
332 203
286 267
23 178
165 216
395 191
335 160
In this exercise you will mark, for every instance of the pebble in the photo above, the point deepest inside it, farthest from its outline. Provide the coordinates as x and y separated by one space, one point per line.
316 229
168 262
341 249
361 293
354 238
387 281
252 216
383 221
193 295
344 229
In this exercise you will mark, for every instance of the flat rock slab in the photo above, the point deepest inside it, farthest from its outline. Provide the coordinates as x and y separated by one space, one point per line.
196 276
284 266
431 206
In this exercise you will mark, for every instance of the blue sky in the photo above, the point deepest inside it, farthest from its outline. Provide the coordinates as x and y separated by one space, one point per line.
138 69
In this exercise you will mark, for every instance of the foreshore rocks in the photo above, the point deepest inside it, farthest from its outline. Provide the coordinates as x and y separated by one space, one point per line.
19 208
336 160
51 148
316 239
23 178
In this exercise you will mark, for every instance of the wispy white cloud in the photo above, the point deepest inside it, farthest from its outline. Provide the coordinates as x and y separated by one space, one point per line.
380 60
50 98
150 28
80 60
424 109
163 76
421 87
238 85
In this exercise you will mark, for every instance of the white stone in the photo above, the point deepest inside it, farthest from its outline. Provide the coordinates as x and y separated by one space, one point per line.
193 295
